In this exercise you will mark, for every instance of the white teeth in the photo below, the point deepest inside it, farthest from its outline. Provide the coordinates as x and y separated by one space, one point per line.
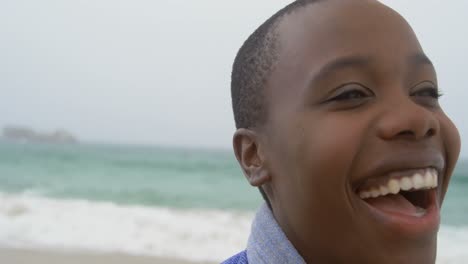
420 211
375 193
435 179
384 190
418 181
406 184
428 179
394 186
364 195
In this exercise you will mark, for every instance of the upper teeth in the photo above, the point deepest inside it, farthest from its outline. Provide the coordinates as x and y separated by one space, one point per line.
418 181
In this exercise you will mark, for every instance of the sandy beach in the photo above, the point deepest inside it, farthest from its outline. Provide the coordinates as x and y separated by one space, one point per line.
19 256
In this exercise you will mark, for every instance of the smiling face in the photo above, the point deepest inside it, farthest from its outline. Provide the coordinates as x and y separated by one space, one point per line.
353 113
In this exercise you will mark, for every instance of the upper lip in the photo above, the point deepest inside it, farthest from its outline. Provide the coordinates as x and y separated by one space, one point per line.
404 161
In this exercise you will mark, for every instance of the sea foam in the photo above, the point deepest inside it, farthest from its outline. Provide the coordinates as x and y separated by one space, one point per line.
28 221
32 221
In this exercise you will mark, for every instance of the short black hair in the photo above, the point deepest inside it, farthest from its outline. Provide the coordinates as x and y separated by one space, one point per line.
253 64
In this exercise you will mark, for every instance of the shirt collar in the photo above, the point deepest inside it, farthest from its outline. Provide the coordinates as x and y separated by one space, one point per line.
267 242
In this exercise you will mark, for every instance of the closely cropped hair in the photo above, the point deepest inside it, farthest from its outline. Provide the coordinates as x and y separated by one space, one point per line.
252 67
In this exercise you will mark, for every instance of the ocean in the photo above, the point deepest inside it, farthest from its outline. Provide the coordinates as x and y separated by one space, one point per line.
169 202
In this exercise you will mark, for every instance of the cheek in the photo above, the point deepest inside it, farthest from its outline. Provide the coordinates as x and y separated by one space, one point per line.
313 173
331 149
451 137
319 156
311 168
452 144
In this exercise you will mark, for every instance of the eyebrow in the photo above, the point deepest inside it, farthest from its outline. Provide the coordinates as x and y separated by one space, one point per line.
420 58
341 63
362 61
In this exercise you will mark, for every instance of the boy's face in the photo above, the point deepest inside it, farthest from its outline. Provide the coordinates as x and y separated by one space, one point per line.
352 105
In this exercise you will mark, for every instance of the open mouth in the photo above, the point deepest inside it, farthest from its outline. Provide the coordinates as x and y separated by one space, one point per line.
412 195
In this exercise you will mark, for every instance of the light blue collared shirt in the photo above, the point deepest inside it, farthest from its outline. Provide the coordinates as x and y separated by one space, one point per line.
267 242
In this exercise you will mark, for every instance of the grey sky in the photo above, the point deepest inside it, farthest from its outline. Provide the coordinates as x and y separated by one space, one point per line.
158 72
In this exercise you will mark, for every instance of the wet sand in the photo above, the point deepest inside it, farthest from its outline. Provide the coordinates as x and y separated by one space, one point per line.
20 256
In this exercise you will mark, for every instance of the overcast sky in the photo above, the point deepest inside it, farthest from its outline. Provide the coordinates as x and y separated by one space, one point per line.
158 71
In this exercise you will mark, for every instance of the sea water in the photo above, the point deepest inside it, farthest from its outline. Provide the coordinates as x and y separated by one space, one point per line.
184 203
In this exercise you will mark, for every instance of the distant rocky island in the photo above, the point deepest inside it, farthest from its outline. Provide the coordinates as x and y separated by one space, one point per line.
25 134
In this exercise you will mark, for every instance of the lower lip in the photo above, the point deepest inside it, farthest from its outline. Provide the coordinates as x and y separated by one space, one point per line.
407 224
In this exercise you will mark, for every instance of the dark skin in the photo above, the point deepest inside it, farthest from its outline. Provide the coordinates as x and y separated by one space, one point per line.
347 98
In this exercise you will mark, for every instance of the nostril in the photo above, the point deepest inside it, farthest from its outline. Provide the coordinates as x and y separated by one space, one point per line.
430 132
410 134
406 133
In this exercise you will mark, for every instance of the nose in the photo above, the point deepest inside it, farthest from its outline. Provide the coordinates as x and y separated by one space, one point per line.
407 120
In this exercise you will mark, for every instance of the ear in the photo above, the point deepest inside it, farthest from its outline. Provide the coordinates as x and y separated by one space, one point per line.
248 150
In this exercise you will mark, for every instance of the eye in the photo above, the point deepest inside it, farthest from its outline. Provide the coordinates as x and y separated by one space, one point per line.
428 92
349 95
351 92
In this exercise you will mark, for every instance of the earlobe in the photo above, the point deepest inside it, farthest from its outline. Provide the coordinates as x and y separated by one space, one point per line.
247 148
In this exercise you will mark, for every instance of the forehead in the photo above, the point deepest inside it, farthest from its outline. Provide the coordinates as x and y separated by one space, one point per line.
312 36
351 26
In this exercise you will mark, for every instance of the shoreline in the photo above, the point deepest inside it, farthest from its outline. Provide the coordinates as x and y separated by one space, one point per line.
36 256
